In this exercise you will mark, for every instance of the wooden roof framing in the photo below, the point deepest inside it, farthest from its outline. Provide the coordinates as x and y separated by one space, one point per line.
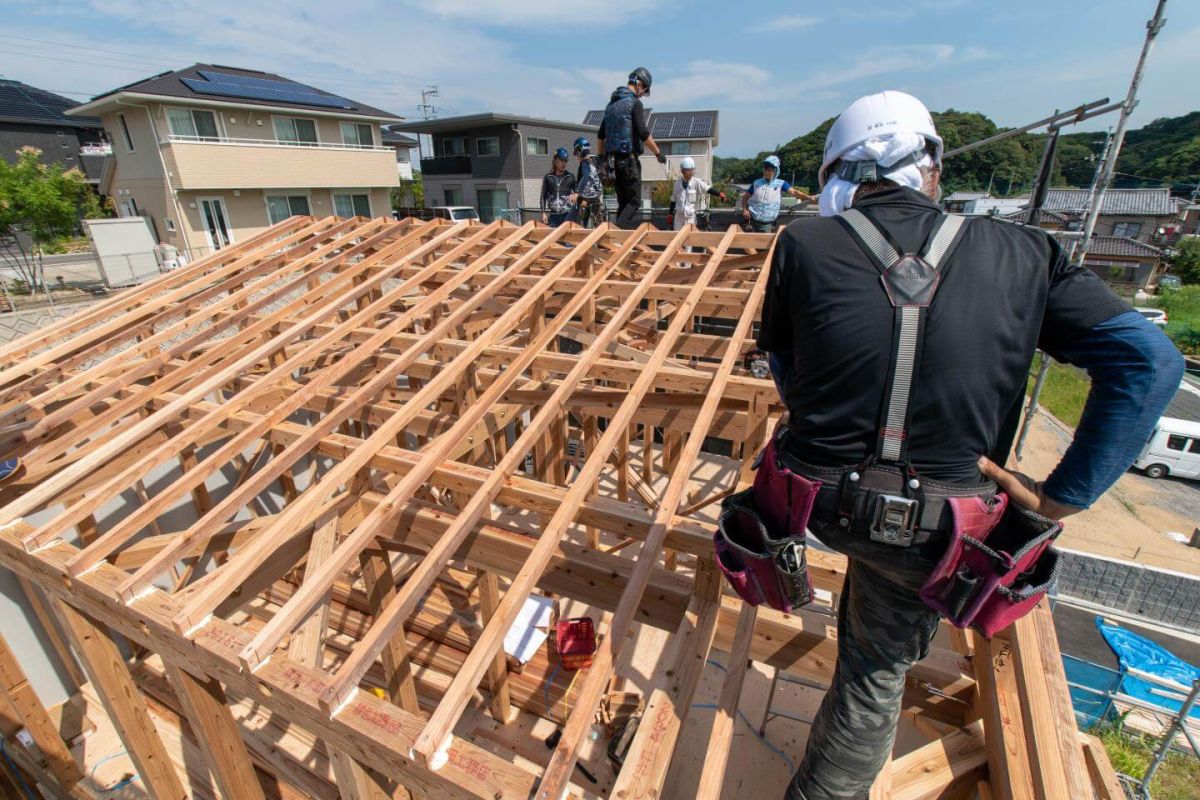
309 430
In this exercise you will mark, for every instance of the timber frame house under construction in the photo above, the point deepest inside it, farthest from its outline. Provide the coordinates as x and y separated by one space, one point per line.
260 495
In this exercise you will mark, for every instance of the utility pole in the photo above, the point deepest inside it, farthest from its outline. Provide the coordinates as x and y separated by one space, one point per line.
427 108
1110 163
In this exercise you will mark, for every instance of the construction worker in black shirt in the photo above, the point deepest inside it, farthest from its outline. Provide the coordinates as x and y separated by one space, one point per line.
624 134
558 191
900 338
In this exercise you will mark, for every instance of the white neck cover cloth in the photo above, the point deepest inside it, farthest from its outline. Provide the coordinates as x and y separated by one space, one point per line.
838 194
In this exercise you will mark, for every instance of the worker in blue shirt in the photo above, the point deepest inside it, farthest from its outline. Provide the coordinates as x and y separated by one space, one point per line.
760 204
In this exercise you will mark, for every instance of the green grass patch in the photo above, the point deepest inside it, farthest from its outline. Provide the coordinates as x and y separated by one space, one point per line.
1064 393
1177 778
1183 311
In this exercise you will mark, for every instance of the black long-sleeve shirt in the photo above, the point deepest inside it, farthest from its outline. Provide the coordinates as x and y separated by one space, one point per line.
556 191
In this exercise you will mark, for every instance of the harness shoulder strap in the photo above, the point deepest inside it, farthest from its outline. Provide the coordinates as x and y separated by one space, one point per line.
908 330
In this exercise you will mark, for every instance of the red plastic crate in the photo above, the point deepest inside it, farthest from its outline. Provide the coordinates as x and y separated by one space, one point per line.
576 640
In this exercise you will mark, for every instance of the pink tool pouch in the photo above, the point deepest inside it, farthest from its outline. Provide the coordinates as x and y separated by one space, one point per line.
998 564
760 539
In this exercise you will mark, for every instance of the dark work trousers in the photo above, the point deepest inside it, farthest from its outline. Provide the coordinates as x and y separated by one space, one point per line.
759 226
629 191
558 219
883 629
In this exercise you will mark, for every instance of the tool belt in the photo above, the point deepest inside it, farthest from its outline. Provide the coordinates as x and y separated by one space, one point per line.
760 540
998 564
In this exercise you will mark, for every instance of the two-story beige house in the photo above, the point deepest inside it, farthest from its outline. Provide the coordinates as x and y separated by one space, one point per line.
211 154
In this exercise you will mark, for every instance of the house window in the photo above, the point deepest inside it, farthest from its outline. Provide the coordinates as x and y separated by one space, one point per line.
1130 229
125 132
1177 442
453 197
196 124
537 147
280 207
352 205
488 146
681 148
293 130
454 146
492 203
170 223
358 134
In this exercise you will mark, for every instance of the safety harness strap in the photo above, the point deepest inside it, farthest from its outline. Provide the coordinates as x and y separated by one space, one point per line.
908 330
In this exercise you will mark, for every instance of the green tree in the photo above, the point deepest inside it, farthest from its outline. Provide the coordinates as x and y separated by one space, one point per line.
1186 261
40 204
410 193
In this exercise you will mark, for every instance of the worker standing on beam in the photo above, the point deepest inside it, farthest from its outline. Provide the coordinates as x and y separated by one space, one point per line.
903 384
761 202
589 190
689 197
623 136
558 191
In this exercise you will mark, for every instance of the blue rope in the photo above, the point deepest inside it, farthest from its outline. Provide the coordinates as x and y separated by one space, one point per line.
15 771
741 715
117 786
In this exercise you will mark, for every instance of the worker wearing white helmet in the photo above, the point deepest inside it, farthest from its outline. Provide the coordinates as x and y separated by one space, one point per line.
901 338
689 197
762 201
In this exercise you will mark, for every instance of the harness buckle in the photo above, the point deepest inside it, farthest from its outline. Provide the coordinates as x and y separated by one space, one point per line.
894 520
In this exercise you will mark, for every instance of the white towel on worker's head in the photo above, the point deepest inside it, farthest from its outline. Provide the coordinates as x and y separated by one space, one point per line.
838 194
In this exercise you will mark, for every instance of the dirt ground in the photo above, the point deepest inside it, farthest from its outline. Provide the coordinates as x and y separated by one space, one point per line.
1139 519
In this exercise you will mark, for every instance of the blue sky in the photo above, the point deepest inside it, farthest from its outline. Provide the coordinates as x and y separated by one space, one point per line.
773 69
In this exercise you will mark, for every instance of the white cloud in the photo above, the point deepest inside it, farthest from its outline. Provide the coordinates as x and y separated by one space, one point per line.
568 95
888 60
785 22
487 13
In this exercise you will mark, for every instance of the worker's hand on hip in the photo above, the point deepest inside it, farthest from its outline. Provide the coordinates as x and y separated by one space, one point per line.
1024 490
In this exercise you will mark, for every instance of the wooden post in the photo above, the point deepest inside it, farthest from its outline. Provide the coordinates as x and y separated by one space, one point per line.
33 716
107 669
207 712
497 674
716 759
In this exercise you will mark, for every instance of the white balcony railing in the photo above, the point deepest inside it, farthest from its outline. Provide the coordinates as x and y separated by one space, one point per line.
174 139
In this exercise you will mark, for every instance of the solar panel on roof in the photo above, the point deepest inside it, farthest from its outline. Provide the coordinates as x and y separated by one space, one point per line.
222 85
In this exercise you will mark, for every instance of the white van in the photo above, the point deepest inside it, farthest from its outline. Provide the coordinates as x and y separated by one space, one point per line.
1173 449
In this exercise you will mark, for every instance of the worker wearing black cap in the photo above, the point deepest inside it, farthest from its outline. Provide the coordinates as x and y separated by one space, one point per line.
623 136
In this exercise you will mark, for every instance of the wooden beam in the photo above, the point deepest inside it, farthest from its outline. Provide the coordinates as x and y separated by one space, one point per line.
207 712
106 667
32 714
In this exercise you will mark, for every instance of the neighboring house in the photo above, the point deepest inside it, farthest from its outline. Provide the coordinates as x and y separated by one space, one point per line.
211 155
493 162
1047 220
956 203
403 145
31 117
1141 214
993 206
1125 262
678 134
1190 216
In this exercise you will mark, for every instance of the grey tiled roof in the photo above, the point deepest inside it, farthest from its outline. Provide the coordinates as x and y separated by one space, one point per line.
20 102
1022 216
1122 246
963 197
170 84
1150 202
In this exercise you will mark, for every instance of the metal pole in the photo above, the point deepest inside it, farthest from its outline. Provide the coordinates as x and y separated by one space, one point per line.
1176 724
1074 115
1110 164
1033 402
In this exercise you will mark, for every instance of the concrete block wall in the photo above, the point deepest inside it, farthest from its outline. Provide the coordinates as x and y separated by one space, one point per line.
1159 595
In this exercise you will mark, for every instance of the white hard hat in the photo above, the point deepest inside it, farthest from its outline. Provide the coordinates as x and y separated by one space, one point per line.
878 116
687 163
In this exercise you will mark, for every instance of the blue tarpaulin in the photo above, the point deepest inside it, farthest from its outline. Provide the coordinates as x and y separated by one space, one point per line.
1138 652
